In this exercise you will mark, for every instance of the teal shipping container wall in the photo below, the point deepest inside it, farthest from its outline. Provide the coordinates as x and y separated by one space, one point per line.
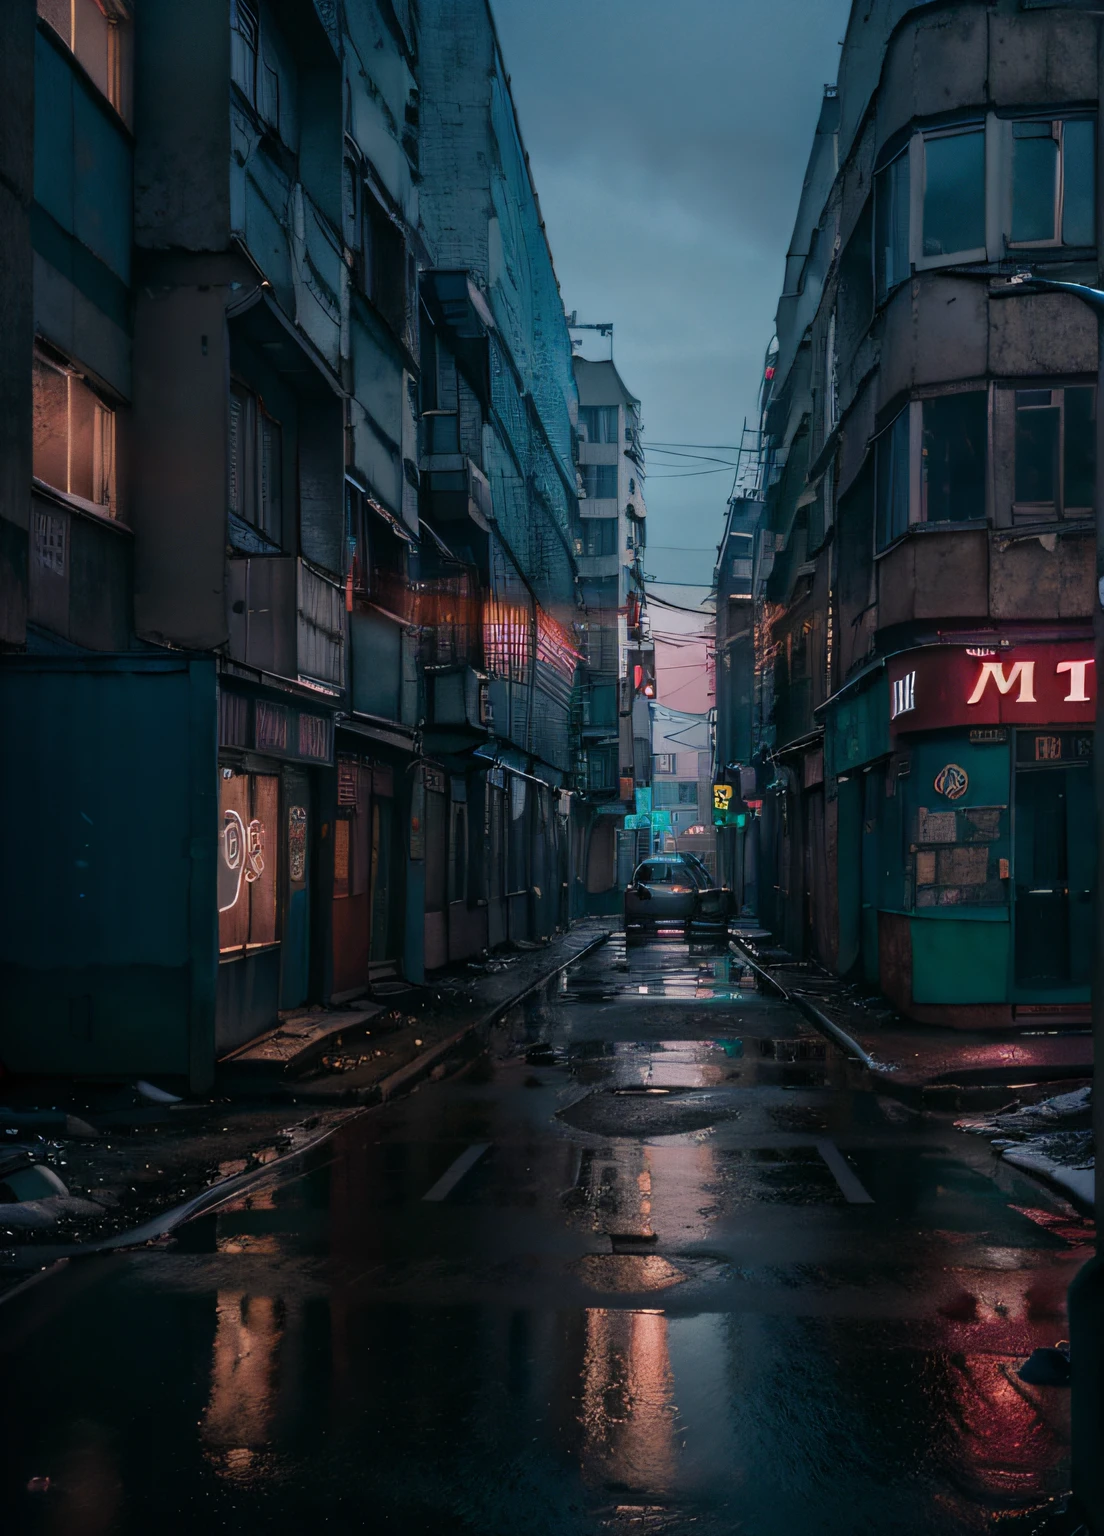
108 918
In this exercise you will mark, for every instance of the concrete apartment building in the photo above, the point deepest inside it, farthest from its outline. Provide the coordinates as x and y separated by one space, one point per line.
288 507
921 711
609 551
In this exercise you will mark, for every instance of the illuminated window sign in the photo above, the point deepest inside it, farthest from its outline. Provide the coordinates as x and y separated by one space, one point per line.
904 695
989 687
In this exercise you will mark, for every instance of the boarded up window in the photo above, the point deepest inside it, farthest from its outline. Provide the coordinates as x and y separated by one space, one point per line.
247 859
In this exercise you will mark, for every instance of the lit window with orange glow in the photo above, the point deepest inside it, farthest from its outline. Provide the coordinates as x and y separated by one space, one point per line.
74 436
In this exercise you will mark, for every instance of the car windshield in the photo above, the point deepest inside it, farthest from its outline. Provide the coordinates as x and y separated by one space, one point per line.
653 874
699 870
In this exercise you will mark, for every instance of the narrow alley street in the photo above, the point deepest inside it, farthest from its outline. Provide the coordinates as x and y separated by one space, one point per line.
662 1260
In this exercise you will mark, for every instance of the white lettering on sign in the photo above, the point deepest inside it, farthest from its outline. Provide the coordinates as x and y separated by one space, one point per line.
904 695
1076 670
1022 672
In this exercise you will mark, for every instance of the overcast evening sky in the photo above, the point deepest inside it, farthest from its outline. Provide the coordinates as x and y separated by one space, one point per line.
668 140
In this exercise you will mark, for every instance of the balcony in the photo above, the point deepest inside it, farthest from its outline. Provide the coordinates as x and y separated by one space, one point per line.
321 628
457 698
458 488
287 619
599 453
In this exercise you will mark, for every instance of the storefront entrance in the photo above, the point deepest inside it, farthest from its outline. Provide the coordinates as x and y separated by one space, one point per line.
365 938
1054 855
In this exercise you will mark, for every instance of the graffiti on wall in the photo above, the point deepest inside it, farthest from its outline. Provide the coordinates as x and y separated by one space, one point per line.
242 861
297 843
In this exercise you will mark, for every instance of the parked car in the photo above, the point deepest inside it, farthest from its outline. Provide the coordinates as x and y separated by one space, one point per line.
675 890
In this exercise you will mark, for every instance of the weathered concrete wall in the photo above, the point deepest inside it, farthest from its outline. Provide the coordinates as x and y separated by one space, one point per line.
181 376
182 96
935 575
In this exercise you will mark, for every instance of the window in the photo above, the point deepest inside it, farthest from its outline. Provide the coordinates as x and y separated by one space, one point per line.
256 463
248 805
663 762
1055 452
599 537
601 768
74 435
244 34
1053 168
953 457
891 226
931 464
669 792
98 34
385 270
954 193
891 469
600 480
599 423
700 870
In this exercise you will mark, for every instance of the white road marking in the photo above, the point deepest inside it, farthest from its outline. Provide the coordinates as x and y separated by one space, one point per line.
843 1174
453 1174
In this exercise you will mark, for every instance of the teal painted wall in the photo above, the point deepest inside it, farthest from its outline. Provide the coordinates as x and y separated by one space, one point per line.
961 953
83 159
960 962
108 915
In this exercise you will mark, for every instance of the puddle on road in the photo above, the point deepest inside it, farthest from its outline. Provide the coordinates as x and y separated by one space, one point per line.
774 1176
628 1274
647 1112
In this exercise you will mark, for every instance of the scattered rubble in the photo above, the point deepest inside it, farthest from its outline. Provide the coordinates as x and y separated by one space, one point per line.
1052 1138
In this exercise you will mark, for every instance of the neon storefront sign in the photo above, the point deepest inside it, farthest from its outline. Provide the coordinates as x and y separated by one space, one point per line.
241 861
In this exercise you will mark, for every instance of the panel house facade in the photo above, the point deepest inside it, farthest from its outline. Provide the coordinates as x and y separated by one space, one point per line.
928 487
238 577
609 548
505 832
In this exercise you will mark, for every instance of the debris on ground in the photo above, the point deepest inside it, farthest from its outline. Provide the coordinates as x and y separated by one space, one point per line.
1052 1138
154 1095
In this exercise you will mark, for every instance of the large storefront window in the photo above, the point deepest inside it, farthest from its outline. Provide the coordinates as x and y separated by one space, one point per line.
248 804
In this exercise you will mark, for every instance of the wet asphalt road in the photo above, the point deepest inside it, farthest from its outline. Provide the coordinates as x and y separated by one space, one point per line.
680 1272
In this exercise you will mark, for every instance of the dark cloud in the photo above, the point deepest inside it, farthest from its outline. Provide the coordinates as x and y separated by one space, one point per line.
668 144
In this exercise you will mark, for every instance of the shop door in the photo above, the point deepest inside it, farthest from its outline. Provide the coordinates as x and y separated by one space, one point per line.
352 873
296 835
1054 868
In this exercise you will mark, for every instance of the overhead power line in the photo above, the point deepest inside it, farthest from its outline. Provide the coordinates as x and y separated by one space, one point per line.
712 447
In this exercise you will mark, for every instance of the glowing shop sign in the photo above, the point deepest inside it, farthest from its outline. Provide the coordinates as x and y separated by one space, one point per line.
242 857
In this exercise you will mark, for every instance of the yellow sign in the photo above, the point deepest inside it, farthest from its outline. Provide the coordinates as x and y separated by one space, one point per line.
722 797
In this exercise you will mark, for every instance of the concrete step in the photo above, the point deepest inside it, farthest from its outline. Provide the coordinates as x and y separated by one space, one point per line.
297 1041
